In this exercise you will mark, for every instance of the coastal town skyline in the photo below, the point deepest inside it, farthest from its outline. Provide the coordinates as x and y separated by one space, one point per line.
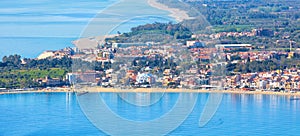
107 53
150 67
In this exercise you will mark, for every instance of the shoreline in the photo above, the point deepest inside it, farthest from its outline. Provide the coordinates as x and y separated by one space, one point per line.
39 91
153 90
178 14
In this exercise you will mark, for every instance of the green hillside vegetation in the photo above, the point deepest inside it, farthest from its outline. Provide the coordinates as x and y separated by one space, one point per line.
15 74
27 78
157 32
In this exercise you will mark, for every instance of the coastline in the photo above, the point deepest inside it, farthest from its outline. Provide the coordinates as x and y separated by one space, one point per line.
152 90
177 14
64 90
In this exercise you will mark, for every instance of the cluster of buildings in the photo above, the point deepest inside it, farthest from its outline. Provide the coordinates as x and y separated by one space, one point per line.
254 32
279 80
194 66
226 34
57 53
51 82
259 55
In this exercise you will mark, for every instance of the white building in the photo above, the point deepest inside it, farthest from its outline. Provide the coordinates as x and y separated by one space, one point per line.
233 46
145 78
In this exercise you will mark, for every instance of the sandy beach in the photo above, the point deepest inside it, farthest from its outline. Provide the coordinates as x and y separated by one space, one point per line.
178 14
151 90
92 42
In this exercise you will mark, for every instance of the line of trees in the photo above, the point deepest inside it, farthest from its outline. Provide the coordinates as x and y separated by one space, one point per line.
156 32
14 62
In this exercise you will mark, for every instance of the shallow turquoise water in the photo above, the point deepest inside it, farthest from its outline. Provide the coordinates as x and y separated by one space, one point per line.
60 114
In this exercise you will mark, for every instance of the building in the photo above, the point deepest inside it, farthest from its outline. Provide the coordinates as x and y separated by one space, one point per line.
71 78
145 78
50 82
195 44
231 46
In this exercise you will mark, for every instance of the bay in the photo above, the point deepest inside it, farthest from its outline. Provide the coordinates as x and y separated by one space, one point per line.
30 27
31 47
238 114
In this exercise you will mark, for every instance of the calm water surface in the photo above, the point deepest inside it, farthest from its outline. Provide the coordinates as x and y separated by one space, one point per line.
60 114
32 26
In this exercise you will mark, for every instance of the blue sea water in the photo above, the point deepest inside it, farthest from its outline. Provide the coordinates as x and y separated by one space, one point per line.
32 26
238 114
31 47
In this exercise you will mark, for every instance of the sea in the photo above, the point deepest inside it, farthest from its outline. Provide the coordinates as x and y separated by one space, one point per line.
30 27
62 114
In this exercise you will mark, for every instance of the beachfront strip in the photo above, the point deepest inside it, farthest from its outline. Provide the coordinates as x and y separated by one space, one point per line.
147 65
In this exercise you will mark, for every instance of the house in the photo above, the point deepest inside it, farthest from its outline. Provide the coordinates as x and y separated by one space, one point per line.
50 82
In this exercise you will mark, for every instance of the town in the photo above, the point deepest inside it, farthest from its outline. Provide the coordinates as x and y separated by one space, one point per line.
190 65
